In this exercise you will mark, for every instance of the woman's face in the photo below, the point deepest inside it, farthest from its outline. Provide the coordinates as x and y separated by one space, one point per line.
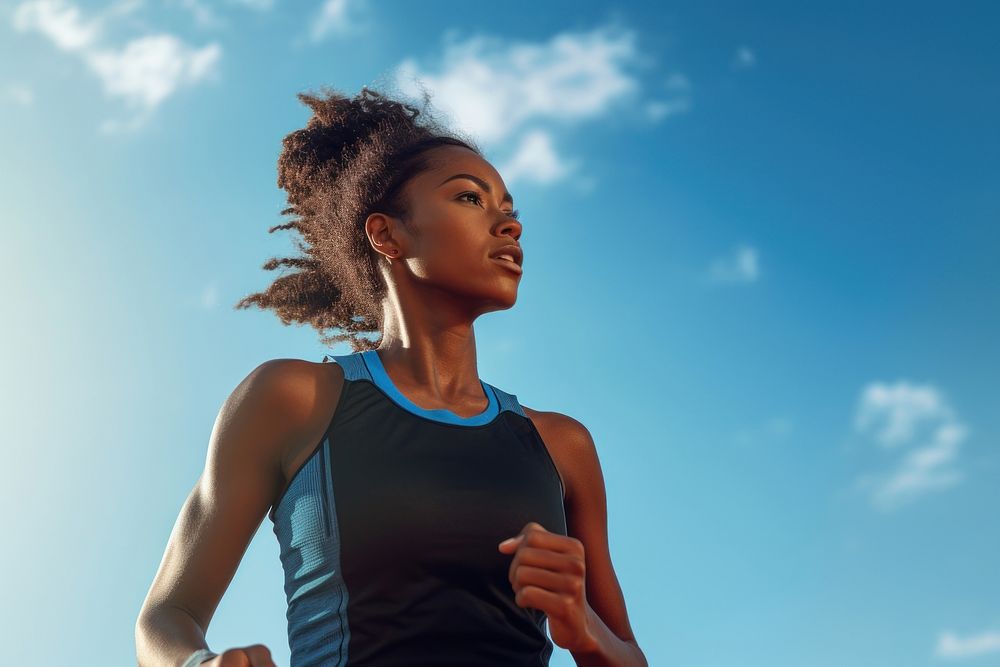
459 226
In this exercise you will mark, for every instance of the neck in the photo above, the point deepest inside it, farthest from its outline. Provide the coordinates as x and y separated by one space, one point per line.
431 344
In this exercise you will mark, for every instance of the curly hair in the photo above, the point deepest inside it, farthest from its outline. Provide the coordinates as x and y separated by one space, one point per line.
353 157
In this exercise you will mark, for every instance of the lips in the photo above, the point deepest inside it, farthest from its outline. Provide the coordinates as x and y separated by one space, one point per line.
509 253
508 264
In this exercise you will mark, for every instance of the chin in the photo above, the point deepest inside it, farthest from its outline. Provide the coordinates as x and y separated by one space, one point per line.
504 301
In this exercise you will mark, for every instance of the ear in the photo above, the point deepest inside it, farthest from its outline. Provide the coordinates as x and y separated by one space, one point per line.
384 234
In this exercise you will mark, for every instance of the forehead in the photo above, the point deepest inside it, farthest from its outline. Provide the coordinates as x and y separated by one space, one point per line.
448 160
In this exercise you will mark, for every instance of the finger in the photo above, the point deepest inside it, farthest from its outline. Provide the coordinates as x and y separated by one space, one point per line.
541 599
556 582
543 539
233 657
510 541
259 655
546 560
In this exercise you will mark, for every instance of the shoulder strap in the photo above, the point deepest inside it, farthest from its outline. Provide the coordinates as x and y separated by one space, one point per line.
507 401
353 365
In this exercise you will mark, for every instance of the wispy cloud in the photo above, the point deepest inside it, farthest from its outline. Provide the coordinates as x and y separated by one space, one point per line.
142 73
921 428
61 22
516 92
204 16
951 646
495 87
744 58
335 17
742 266
20 94
535 159
892 414
675 98
207 15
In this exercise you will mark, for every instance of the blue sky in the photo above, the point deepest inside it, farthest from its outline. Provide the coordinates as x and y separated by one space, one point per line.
761 267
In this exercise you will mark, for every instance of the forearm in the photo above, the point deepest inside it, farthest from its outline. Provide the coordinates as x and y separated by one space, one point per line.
607 649
166 636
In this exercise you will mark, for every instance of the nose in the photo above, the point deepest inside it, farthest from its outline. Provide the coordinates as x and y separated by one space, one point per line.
511 227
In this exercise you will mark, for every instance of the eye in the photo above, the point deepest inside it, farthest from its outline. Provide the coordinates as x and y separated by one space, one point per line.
514 214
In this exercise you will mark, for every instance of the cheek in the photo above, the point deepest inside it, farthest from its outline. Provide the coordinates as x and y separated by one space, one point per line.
454 249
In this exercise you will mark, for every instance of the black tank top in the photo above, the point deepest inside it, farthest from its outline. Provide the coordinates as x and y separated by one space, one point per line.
389 531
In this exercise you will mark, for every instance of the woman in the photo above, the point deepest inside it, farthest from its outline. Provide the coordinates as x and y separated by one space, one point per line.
394 476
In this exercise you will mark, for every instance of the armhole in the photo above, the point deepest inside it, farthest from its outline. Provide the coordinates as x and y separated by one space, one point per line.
545 446
510 402
319 445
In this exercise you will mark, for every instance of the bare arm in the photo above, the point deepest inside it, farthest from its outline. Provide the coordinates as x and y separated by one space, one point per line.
265 414
587 520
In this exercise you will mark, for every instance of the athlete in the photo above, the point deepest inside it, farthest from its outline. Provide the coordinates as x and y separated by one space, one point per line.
424 516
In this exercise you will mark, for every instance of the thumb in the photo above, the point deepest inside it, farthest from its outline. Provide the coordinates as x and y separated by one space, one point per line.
510 544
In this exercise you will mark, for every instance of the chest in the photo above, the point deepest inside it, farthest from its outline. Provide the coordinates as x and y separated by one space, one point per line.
443 495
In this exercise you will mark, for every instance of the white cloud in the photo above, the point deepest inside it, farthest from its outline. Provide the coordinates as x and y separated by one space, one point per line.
144 72
20 94
899 409
917 420
333 17
743 266
59 21
535 159
515 94
149 69
744 58
951 646
494 87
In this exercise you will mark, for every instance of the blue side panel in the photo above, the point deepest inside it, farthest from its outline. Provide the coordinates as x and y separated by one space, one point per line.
305 525
309 536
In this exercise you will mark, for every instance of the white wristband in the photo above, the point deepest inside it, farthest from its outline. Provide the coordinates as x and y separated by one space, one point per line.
198 657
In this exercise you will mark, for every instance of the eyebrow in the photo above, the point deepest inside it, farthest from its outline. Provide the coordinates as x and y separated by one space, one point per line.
481 183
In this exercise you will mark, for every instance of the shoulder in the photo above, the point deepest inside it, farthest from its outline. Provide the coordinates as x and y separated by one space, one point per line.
569 443
564 427
289 398
292 383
